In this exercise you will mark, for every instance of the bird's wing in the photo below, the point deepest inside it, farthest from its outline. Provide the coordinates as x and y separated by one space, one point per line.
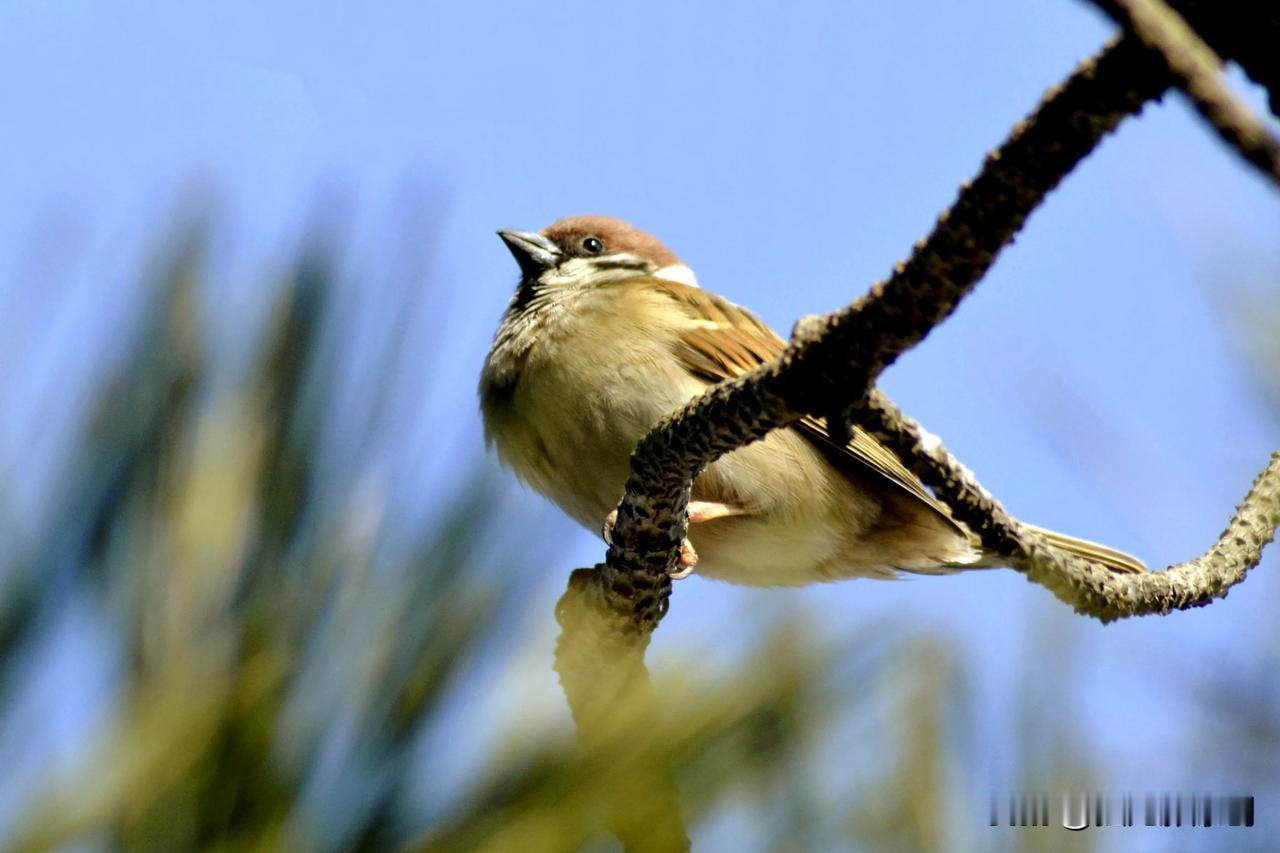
724 341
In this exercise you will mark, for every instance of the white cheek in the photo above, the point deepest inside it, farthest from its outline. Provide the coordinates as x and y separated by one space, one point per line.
679 273
583 272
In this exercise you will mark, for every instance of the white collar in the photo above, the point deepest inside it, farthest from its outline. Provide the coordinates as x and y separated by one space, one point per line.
679 273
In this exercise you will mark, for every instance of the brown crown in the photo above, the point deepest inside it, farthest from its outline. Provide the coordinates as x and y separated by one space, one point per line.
617 236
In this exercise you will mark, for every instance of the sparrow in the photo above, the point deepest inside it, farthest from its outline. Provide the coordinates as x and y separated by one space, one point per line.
607 333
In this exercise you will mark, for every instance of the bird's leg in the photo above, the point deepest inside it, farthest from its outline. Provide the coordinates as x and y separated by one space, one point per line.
699 511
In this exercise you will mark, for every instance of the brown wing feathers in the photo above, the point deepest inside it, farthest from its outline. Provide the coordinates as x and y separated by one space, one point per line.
728 341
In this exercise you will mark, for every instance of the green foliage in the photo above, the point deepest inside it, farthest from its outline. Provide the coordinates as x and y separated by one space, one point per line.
254 608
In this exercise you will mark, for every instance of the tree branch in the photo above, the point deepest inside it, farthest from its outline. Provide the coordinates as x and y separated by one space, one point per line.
1243 31
608 614
1090 589
834 360
606 683
1197 70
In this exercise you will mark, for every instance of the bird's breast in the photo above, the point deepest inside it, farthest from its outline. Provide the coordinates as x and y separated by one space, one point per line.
589 386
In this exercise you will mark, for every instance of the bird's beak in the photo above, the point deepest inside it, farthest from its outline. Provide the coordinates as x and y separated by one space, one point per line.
533 252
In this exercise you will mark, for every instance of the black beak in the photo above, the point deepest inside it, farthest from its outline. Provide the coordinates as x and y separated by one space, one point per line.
533 252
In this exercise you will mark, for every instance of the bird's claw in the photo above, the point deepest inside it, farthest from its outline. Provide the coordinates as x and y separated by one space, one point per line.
688 561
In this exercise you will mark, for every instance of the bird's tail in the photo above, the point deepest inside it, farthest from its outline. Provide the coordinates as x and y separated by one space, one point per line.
1115 560
1092 551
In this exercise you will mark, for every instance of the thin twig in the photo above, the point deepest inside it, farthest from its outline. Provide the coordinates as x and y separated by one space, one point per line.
1091 589
1198 71
1242 31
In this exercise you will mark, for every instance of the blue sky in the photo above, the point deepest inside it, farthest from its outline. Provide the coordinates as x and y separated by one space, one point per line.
1095 381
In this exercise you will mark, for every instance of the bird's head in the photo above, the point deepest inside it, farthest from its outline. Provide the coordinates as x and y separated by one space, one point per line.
585 251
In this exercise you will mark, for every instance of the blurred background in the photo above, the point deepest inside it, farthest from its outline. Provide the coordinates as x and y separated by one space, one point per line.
261 586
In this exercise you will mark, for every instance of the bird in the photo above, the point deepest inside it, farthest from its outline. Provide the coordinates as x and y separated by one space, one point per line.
607 333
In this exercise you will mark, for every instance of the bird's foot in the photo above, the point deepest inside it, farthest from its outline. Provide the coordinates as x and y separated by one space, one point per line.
688 561
606 532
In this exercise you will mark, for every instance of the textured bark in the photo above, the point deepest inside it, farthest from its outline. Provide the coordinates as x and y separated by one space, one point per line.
1090 589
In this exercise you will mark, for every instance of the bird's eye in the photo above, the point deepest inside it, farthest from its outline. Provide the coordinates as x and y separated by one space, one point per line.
592 245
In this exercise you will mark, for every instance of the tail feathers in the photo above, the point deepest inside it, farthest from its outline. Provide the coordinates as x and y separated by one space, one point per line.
1092 551
1113 559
